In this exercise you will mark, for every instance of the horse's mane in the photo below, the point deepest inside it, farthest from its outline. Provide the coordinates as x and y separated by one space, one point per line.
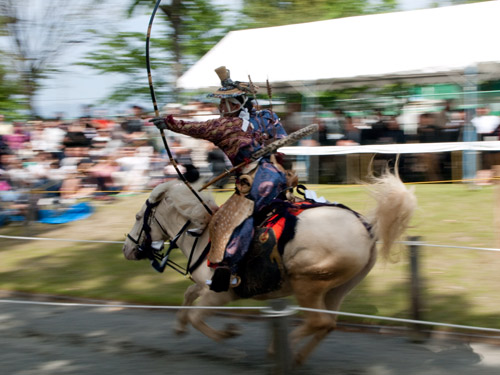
177 194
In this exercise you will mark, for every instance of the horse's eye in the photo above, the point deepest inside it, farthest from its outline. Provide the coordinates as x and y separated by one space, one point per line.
137 217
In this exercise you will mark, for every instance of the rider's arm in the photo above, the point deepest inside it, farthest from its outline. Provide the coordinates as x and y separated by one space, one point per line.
226 133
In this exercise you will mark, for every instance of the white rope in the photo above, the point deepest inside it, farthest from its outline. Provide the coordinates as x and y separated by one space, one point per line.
418 243
56 239
421 243
395 148
400 320
267 311
123 306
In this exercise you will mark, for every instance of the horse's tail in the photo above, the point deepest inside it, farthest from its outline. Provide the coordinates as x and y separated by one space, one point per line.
394 210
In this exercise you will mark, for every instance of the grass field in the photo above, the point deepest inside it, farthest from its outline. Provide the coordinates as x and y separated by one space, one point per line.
460 285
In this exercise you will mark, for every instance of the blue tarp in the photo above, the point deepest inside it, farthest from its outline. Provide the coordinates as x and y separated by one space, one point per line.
77 211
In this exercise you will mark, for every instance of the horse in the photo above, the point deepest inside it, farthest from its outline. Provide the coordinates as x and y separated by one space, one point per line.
332 250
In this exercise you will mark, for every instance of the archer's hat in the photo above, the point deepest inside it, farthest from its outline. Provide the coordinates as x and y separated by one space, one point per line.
230 88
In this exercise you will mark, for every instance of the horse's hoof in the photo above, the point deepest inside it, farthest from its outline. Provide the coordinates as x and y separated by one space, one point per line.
232 330
180 331
298 359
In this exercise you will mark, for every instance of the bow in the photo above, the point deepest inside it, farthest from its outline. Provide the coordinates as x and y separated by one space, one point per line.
157 112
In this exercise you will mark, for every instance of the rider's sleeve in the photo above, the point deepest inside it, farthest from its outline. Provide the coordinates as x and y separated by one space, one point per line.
225 133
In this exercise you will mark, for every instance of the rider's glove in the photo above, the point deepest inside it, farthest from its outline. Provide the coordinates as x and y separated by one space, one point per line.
159 123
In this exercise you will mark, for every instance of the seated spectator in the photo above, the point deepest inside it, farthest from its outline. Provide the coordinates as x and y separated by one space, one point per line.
76 135
352 134
427 130
430 162
487 127
81 183
133 126
133 172
218 165
14 187
452 132
485 124
17 138
103 171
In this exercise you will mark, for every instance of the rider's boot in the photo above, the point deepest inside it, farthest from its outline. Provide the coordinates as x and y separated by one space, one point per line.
221 278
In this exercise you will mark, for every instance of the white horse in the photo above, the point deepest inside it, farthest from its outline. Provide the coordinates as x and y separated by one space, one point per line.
331 252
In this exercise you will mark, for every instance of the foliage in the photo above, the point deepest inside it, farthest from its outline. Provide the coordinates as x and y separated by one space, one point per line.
12 102
123 53
193 27
264 13
37 33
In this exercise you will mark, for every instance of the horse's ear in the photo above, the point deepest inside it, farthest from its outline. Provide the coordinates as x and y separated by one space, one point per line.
160 190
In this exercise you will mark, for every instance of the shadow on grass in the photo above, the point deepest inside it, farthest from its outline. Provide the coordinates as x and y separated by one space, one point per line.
99 271
395 301
96 270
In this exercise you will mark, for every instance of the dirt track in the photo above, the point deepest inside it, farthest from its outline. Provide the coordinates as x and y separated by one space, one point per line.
37 339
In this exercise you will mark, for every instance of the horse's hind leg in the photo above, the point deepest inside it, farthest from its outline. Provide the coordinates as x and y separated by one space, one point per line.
190 296
335 296
197 316
311 294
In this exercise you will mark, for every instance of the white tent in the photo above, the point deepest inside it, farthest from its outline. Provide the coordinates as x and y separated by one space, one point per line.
424 46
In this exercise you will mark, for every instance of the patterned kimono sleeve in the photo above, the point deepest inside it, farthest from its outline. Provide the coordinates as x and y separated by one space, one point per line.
226 133
195 129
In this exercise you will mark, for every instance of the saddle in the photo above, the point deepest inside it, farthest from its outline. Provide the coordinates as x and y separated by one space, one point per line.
236 209
262 270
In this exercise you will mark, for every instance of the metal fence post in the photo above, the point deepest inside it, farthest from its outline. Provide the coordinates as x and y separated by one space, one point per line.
279 325
415 283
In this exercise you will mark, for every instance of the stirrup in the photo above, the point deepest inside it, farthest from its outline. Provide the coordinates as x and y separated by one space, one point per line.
235 281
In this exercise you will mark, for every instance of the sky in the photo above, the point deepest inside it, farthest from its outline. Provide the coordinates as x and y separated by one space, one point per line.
80 86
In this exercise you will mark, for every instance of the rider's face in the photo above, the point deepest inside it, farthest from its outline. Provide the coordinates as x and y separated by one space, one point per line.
227 108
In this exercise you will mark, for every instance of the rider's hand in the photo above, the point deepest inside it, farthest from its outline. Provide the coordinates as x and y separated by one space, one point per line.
159 122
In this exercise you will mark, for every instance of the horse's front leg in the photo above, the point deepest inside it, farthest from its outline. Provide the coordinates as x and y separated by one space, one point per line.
197 316
190 296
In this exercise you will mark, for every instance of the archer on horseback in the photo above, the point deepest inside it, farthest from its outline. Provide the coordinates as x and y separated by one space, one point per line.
239 133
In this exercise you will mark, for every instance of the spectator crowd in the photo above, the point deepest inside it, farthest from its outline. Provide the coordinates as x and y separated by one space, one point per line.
57 162
60 162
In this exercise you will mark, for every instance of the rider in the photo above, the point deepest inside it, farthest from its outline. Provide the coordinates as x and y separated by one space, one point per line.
239 133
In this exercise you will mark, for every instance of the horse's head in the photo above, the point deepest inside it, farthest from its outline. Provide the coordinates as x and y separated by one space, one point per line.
147 233
173 201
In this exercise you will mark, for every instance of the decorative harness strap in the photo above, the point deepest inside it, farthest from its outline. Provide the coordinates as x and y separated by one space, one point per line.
159 261
282 207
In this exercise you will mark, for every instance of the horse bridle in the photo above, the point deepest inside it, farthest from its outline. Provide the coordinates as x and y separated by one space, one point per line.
146 250
158 259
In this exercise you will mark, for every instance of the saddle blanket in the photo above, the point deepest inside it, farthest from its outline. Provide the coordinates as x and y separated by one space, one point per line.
261 270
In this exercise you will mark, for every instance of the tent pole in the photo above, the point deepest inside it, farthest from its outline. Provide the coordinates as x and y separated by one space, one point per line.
469 161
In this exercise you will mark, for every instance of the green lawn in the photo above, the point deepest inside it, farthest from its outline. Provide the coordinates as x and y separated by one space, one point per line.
460 284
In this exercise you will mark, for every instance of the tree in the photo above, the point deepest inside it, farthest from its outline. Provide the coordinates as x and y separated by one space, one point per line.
10 93
192 28
265 13
37 32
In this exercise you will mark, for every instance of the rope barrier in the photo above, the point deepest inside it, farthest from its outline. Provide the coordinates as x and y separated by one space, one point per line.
420 243
57 239
267 312
123 306
122 193
401 320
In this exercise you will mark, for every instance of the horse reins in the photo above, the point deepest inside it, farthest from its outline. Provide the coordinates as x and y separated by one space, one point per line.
158 260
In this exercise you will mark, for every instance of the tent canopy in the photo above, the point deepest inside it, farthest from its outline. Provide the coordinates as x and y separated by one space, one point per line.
420 46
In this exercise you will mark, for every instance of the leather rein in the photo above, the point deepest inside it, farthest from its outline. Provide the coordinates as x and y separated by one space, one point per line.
159 260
